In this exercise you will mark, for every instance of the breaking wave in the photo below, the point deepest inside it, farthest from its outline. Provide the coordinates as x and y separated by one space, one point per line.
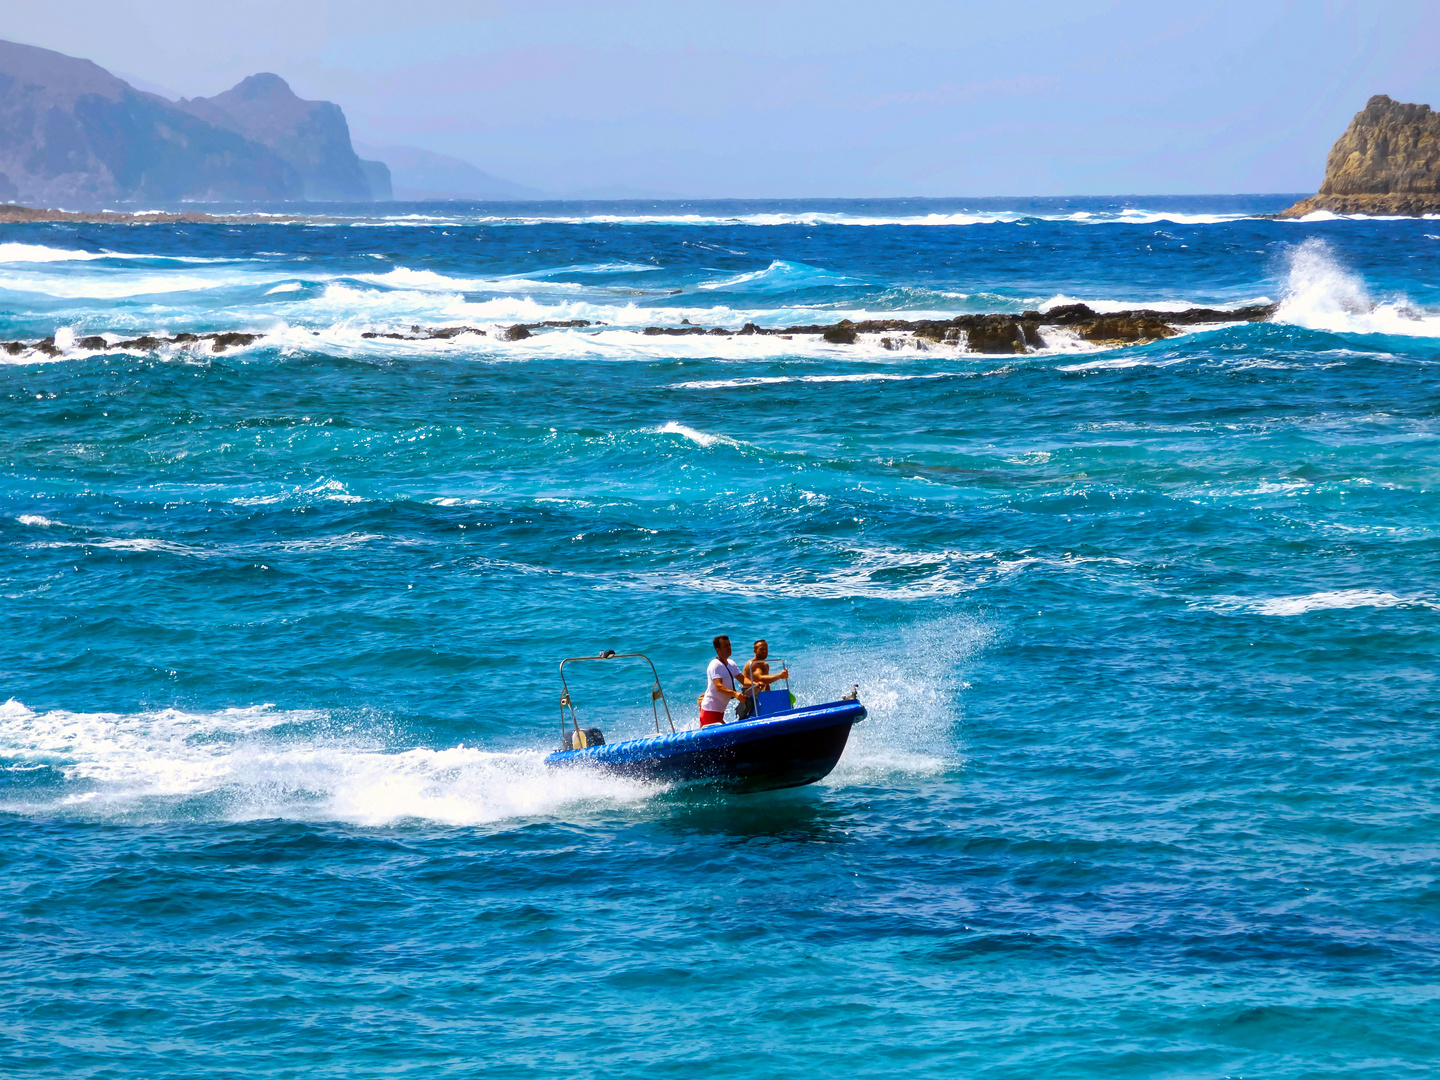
1322 294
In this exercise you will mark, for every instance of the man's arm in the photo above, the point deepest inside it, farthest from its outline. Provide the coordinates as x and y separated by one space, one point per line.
768 679
725 691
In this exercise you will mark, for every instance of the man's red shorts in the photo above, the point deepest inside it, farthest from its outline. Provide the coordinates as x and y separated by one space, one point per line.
708 718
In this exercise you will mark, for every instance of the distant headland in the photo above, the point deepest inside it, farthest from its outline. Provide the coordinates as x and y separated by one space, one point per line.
72 134
1386 163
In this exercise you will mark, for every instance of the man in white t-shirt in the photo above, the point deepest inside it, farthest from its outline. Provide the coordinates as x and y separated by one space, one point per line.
724 683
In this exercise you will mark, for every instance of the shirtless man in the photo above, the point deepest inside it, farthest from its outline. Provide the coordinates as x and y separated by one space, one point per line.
757 671
724 683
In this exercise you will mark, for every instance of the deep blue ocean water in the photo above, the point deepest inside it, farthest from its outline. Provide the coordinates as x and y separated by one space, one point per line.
1148 638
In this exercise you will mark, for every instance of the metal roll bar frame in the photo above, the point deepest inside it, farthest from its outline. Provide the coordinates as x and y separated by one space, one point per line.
657 693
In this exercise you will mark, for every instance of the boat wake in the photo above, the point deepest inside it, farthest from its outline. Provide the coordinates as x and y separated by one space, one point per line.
258 763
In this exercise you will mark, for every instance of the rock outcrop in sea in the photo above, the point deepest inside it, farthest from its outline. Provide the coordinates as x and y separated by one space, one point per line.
74 135
1386 163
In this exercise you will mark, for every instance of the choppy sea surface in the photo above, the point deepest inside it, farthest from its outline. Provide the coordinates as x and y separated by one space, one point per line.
1148 637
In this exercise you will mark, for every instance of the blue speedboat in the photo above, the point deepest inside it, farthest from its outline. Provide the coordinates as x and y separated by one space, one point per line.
781 746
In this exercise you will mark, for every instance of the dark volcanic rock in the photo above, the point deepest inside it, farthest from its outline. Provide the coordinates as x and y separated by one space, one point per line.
997 334
93 342
311 136
1195 316
517 333
72 133
1068 314
222 342
842 333
1124 327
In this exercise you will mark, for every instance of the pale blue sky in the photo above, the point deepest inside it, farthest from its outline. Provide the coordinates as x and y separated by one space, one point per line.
909 97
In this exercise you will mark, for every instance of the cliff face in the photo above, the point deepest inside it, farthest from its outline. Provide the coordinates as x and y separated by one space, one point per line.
311 136
1386 162
71 133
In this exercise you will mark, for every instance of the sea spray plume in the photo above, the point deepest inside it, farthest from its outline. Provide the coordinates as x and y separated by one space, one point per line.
1322 294
911 686
1318 290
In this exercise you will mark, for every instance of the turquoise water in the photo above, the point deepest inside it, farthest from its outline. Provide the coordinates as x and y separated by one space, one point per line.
1147 636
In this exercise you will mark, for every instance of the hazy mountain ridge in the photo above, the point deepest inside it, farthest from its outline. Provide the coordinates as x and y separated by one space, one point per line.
421 174
72 133
311 136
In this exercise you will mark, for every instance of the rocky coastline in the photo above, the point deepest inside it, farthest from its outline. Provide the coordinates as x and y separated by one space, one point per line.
995 333
1368 205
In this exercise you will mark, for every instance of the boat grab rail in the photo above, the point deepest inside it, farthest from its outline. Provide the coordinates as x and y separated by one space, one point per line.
657 693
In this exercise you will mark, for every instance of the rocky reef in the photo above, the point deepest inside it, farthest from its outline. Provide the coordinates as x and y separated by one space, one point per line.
1386 163
990 333
1000 333
52 346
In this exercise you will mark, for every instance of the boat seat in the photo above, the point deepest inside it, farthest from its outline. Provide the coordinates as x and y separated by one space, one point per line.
768 702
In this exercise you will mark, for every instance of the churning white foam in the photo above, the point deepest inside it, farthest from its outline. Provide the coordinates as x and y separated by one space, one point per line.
242 764
36 519
1322 294
1326 600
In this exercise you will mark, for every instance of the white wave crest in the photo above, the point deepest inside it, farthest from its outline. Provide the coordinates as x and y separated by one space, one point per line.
39 253
699 438
36 520
773 380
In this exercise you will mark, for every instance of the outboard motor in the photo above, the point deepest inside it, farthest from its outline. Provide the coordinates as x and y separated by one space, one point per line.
579 740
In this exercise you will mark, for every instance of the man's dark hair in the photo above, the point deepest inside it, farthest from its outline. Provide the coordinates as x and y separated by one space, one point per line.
723 637
761 641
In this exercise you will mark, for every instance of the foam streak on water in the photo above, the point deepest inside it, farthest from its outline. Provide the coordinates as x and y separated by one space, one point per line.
1147 639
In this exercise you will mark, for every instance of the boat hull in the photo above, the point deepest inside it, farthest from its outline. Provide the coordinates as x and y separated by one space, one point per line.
784 750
